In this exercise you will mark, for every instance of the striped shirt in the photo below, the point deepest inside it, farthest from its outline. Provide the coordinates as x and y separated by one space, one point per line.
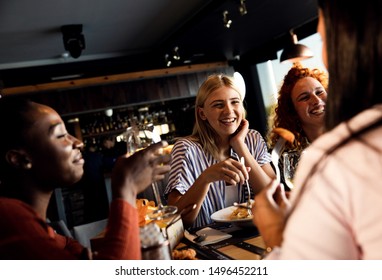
189 160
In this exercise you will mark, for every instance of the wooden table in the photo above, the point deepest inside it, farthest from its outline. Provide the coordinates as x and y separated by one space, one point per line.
245 244
238 253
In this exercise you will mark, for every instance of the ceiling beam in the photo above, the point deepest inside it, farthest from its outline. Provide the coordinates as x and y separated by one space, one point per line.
117 78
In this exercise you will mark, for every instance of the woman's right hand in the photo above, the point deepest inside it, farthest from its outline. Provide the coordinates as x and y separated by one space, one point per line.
269 213
230 170
132 175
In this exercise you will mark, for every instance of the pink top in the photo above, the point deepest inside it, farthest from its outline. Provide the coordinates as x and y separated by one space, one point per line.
338 201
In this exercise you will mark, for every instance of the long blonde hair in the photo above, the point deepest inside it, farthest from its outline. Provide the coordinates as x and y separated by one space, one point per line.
203 132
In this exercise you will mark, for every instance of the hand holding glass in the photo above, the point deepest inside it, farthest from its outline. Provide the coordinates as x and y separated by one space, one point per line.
139 138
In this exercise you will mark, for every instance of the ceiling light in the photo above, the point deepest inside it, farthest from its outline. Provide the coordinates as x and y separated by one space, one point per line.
227 22
242 8
175 53
167 60
65 55
74 40
295 52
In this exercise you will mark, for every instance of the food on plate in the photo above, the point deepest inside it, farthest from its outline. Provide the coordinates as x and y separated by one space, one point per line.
186 254
240 213
284 133
233 215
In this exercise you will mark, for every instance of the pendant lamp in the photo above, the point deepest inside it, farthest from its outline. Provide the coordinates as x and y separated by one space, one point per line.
295 52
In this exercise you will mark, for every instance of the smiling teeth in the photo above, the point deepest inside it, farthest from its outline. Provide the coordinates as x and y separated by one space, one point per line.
318 111
228 121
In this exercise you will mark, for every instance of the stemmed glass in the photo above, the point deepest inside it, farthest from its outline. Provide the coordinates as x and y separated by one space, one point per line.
133 142
140 137
290 162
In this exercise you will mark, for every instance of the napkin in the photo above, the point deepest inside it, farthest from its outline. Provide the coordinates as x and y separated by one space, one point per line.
213 236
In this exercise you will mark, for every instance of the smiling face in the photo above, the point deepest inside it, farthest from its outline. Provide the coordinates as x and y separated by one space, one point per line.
223 109
309 98
54 154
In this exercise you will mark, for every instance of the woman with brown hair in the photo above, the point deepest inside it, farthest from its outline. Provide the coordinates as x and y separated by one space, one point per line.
300 106
300 109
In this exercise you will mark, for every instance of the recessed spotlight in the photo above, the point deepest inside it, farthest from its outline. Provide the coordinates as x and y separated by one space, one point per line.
226 20
175 54
65 55
242 8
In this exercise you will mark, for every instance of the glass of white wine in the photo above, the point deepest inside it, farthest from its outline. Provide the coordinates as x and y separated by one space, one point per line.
290 162
133 142
140 137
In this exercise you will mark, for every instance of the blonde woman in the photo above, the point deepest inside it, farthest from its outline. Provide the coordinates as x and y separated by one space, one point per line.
205 167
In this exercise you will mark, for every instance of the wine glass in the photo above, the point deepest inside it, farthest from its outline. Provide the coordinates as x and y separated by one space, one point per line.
290 162
133 142
140 137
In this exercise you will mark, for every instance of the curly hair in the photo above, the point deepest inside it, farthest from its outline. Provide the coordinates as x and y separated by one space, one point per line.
284 114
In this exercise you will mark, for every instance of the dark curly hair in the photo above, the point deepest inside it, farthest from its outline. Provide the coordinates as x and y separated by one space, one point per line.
284 114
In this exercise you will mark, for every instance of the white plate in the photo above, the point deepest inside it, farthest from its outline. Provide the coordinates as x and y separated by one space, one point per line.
223 216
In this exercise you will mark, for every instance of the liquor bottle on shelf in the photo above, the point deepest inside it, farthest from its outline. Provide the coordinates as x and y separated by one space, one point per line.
170 121
163 122
157 125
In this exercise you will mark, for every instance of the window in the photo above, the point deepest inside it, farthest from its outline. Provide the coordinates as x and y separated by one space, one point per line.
271 73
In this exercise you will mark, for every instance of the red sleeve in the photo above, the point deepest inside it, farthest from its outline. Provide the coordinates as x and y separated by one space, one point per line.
71 245
121 240
24 235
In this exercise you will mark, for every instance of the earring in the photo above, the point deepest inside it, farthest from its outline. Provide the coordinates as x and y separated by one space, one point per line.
28 165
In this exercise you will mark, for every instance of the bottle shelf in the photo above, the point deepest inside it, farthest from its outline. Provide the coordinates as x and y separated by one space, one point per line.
105 133
170 118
